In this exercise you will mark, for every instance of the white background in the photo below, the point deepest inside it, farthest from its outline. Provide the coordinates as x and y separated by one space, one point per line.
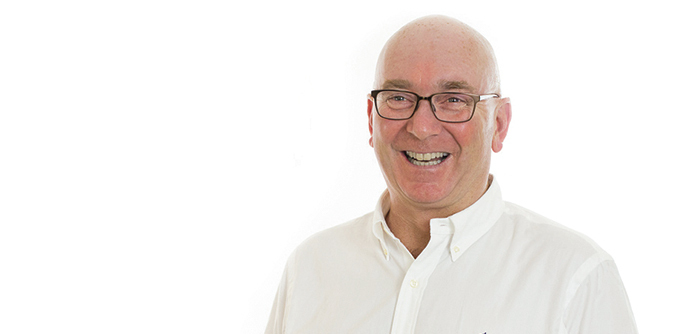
159 160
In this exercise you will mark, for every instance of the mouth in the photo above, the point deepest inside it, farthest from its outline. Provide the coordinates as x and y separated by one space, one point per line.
426 159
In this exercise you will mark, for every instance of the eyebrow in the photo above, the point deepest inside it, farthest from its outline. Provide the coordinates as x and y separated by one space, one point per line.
396 83
461 85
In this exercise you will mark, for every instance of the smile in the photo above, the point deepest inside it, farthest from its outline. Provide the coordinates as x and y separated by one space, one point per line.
426 159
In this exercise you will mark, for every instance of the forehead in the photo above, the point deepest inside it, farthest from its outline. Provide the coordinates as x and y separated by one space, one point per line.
431 59
444 85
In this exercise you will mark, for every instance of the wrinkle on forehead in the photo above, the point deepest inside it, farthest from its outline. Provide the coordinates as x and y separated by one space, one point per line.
429 38
443 85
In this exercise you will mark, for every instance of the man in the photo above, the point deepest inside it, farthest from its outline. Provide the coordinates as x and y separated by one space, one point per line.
442 253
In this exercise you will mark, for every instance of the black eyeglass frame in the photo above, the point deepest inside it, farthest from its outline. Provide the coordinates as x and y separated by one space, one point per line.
477 99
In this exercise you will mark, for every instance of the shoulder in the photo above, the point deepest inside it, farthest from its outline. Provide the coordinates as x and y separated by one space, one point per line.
338 239
547 238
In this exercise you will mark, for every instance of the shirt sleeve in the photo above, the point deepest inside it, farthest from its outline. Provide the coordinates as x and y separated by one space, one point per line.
600 304
275 325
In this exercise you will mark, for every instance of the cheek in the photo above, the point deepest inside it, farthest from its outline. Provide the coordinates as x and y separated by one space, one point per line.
473 141
385 132
381 139
483 128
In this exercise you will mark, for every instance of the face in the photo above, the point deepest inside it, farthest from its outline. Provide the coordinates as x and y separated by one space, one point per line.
428 163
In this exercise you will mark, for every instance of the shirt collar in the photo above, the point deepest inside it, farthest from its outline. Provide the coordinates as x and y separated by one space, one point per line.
468 225
379 226
473 222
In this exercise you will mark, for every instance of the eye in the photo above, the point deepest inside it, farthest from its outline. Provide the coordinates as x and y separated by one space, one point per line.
453 99
396 99
399 97
450 98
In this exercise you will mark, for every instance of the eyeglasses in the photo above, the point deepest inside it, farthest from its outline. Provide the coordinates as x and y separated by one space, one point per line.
447 107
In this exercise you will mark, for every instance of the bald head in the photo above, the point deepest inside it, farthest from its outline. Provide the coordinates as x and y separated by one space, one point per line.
442 46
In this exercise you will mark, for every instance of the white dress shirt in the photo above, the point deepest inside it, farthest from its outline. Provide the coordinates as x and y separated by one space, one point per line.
492 268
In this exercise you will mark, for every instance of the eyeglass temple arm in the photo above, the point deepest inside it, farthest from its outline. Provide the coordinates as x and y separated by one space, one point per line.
486 96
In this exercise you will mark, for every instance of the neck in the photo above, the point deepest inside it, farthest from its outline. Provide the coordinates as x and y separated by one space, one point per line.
410 221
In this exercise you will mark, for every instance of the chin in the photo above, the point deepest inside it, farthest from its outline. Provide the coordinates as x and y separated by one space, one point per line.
426 196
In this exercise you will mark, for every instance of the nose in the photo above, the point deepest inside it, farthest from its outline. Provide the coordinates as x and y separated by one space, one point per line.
423 124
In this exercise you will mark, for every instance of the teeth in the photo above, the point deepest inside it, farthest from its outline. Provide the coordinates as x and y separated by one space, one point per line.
426 156
424 163
426 159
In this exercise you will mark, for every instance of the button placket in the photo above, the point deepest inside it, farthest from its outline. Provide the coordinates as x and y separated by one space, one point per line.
416 279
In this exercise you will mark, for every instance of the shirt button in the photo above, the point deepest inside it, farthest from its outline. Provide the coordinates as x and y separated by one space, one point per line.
414 283
385 252
456 249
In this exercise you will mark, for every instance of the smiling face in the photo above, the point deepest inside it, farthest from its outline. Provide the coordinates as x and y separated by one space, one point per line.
429 164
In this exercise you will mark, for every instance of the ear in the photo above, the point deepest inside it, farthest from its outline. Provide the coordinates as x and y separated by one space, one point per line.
370 118
503 114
